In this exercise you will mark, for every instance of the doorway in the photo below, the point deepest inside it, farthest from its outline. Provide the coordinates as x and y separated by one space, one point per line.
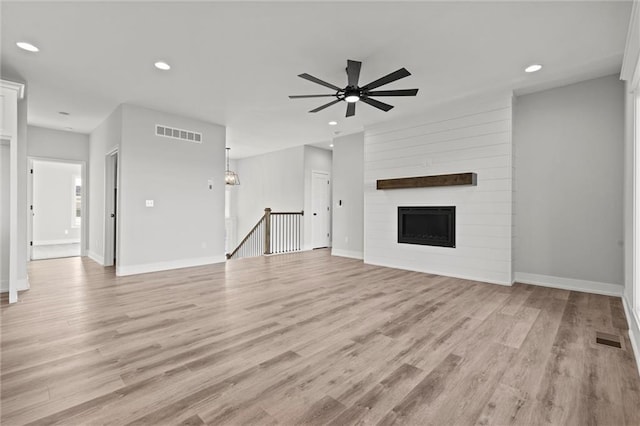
321 209
56 209
111 209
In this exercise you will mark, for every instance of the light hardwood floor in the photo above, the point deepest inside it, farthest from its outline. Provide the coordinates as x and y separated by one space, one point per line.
308 339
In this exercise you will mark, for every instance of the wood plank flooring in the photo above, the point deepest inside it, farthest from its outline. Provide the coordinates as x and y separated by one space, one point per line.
308 338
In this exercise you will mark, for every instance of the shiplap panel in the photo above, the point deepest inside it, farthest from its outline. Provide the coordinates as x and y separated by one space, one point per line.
458 138
461 123
444 145
483 129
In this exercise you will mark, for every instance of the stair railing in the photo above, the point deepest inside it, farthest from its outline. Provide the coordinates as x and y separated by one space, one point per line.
275 233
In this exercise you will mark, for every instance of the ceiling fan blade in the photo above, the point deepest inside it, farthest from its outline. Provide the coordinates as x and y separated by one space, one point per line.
389 78
403 92
320 108
309 96
318 81
351 109
377 104
353 72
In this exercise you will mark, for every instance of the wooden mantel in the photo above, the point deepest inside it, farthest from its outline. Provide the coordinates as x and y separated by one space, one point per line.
428 181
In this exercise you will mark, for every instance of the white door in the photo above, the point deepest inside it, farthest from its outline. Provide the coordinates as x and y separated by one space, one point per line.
320 206
111 209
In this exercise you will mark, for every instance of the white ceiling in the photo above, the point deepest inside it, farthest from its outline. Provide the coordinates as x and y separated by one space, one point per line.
235 63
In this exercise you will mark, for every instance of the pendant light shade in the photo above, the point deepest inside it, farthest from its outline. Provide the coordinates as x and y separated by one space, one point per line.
230 178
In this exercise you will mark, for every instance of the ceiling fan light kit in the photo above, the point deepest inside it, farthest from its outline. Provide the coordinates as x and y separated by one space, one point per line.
353 93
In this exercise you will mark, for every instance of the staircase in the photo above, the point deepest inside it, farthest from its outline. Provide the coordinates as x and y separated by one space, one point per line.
275 233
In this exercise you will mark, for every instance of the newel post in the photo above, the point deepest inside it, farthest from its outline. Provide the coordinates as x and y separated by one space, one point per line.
267 231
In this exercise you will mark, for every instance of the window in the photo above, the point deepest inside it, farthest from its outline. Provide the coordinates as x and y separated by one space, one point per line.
76 216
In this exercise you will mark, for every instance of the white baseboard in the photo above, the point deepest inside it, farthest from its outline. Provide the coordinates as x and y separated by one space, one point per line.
123 270
347 253
595 287
634 329
22 285
53 242
95 256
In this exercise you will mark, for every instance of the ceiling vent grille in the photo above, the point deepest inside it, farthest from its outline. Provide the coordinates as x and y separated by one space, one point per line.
181 134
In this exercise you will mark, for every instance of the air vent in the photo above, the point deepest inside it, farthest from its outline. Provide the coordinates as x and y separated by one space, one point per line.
181 134
608 339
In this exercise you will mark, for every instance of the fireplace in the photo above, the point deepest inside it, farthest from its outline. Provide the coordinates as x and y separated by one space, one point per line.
429 226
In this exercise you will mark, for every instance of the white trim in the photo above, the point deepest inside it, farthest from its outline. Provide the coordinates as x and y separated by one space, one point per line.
629 69
443 274
95 257
347 253
164 266
594 287
22 284
17 87
52 242
634 330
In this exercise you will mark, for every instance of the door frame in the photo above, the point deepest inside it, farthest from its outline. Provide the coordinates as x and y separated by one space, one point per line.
111 233
326 175
84 204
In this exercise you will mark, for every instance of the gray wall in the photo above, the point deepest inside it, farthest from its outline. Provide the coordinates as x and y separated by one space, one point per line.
568 182
186 225
348 187
274 180
53 201
102 140
50 143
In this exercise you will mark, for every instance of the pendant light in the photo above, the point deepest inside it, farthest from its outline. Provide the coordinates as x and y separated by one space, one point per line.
230 178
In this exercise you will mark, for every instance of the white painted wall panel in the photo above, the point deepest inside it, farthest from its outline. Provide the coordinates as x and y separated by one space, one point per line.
469 136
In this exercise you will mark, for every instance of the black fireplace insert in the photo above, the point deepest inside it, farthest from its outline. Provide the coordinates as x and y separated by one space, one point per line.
429 226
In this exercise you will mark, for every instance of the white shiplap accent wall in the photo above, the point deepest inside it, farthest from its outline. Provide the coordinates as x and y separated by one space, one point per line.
465 136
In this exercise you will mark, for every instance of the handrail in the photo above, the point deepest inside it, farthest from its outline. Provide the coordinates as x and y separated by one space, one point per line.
282 234
244 240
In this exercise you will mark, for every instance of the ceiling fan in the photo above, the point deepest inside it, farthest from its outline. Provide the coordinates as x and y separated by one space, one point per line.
353 93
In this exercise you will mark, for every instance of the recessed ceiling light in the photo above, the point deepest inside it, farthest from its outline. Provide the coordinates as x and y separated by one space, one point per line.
533 68
333 123
161 65
330 145
63 113
27 46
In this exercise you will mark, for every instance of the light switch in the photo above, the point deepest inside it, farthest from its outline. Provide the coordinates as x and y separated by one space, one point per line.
149 203
210 183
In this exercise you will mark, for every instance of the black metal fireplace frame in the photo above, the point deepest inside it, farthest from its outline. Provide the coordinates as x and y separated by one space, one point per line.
449 210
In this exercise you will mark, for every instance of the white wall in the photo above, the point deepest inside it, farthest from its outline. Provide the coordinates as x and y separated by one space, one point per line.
472 135
102 140
4 215
318 160
568 186
186 225
54 201
50 143
348 188
274 180
22 277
